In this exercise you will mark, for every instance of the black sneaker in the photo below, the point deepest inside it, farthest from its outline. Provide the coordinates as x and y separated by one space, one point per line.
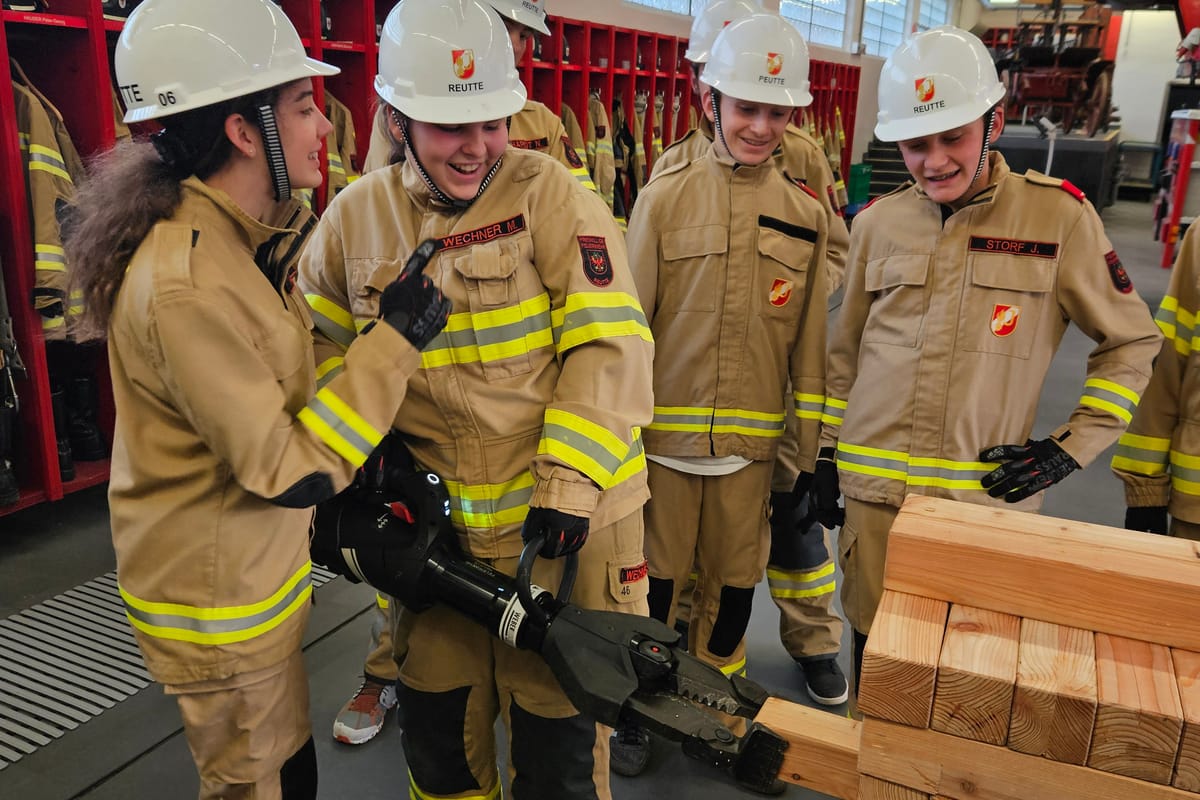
629 749
9 493
824 680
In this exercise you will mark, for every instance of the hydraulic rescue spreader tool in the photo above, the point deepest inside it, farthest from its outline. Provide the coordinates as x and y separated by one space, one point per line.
613 666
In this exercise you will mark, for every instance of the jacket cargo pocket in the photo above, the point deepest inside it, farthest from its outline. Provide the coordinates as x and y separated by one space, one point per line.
500 322
368 278
782 274
1003 304
628 580
692 269
899 307
282 345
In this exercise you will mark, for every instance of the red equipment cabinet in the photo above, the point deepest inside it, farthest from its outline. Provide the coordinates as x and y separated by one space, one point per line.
1181 204
68 55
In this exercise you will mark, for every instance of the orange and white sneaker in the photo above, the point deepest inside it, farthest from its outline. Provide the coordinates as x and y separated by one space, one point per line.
364 714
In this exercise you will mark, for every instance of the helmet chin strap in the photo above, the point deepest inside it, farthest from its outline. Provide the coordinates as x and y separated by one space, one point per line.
402 123
987 142
276 162
714 100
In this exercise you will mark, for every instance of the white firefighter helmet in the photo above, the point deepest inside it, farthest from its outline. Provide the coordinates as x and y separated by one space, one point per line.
709 22
178 55
936 81
448 62
530 13
761 58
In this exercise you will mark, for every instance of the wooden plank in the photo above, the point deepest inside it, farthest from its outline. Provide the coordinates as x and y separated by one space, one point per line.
1187 677
1139 717
901 657
1054 707
949 766
1048 569
823 751
976 674
874 789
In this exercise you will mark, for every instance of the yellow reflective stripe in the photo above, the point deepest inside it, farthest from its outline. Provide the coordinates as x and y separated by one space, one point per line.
1185 486
340 427
220 625
794 594
1104 405
332 320
736 668
49 257
416 793
47 159
1184 460
490 505
587 316
897 465
580 443
1140 467
1157 443
329 369
809 406
597 434
834 411
635 462
691 420
1115 388
50 323
481 337
382 601
584 178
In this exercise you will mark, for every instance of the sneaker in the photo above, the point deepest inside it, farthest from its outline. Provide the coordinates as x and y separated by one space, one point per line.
629 749
824 680
363 715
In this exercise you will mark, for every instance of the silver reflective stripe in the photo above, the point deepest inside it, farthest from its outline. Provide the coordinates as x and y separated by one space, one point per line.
589 447
352 437
218 626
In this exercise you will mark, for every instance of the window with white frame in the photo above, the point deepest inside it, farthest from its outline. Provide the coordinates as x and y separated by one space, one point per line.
821 21
933 13
674 6
883 26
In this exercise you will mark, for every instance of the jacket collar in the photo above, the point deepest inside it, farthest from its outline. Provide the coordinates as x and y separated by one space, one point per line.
987 195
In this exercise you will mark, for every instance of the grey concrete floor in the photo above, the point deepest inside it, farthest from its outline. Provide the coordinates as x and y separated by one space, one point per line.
136 750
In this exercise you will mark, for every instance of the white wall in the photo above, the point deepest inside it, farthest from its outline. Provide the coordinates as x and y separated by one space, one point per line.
631 15
1145 62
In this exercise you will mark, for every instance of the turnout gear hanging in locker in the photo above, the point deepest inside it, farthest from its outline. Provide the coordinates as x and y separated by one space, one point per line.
194 321
1158 457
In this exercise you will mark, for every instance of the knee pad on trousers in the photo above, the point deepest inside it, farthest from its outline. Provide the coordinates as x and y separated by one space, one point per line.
733 617
298 775
433 739
662 592
552 758
793 551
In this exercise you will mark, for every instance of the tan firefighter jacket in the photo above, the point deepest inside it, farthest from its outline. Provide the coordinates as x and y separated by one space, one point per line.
575 134
599 135
534 127
733 284
222 440
1158 458
949 324
800 159
340 146
537 390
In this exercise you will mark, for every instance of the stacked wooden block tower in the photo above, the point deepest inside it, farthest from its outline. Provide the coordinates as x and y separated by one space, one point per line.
1017 657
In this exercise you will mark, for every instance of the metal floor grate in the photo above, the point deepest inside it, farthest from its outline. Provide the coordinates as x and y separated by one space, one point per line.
65 661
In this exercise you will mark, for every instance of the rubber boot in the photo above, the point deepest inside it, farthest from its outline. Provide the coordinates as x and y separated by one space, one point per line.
8 481
66 464
87 443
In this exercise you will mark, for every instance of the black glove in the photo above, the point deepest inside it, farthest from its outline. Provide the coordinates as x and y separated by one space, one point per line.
564 533
412 304
386 467
803 484
824 492
1031 467
1151 519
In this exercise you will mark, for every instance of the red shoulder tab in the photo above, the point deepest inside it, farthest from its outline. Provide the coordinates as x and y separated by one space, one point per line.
1073 190
806 189
871 202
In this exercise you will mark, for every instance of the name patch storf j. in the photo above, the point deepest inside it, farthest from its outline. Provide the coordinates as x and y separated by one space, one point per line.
487 233
1013 247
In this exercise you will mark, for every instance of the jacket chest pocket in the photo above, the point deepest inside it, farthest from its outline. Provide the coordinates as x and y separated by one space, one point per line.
504 327
286 351
693 268
782 273
368 278
898 283
1004 303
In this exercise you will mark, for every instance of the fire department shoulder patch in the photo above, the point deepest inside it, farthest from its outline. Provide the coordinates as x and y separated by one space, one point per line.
572 155
596 264
1116 271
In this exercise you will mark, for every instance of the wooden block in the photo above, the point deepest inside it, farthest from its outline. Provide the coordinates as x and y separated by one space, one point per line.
1139 717
1054 707
823 751
1187 678
901 657
976 674
874 789
948 766
1050 569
